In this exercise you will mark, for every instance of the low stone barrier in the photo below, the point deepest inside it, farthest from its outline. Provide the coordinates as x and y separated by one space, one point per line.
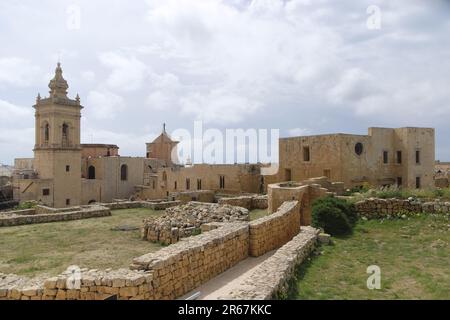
247 202
374 208
83 213
271 279
25 212
272 231
197 195
153 205
181 267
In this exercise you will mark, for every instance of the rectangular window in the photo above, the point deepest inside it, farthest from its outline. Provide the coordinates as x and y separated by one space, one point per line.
385 157
418 184
67 202
399 181
417 156
222 182
399 157
306 154
199 184
175 185
154 184
45 192
188 184
67 168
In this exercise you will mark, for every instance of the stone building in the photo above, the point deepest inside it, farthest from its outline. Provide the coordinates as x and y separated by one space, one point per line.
385 156
66 173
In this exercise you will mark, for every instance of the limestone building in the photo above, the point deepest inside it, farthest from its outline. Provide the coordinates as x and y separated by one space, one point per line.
385 156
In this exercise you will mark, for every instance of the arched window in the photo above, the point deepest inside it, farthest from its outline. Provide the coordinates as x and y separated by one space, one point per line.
65 130
46 132
65 133
91 172
124 172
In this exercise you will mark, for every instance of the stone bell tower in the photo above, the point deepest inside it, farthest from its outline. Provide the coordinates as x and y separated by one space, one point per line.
57 151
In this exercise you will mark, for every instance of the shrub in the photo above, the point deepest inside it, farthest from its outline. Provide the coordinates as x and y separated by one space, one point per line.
335 216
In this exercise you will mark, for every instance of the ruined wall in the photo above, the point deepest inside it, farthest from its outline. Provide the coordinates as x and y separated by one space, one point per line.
20 218
374 208
187 196
271 232
186 220
250 202
305 194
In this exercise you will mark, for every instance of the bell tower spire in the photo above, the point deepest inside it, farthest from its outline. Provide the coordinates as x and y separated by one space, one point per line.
58 85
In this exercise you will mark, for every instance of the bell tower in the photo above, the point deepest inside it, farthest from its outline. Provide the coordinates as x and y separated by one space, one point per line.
57 150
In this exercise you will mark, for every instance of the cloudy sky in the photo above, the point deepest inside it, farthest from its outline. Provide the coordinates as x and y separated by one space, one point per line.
301 66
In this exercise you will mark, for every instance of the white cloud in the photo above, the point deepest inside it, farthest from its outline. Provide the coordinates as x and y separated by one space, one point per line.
10 112
18 72
268 63
103 104
218 107
128 73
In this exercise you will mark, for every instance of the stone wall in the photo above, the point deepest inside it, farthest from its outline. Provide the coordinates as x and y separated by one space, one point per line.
141 204
271 279
183 266
187 196
11 219
272 231
374 208
304 192
247 202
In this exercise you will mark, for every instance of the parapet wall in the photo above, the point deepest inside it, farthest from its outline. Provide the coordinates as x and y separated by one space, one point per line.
374 208
198 195
272 231
271 279
247 202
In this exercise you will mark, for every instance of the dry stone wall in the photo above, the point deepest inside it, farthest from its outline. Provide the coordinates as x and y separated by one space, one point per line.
181 267
248 202
12 219
272 231
374 208
154 205
271 279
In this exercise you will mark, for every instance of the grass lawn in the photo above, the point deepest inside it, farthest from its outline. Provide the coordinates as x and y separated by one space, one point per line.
48 249
413 254
258 213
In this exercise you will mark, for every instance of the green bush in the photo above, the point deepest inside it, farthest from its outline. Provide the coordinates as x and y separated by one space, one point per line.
335 216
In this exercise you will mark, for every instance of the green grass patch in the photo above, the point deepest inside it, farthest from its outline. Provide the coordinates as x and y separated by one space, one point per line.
49 248
413 254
